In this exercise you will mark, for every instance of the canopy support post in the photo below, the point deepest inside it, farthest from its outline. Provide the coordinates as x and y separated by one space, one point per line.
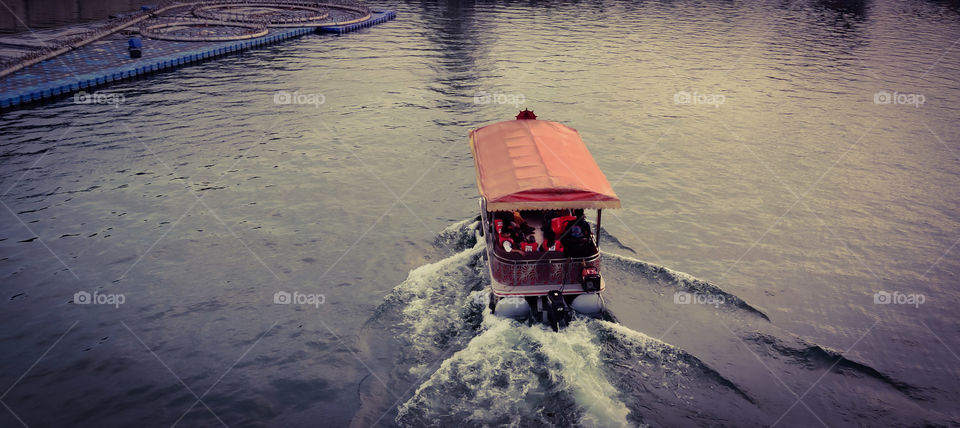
597 234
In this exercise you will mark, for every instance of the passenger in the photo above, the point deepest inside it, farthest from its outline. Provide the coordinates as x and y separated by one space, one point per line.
518 218
576 244
514 232
521 223
505 235
507 244
584 226
576 232
561 224
552 245
529 244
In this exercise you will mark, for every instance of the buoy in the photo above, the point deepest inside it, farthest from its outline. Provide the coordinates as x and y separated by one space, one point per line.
135 45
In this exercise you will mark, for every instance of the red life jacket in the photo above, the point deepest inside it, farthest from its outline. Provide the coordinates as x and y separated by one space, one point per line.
555 247
559 224
506 239
528 246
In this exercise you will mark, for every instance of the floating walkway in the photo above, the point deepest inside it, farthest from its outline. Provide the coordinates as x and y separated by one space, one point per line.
108 60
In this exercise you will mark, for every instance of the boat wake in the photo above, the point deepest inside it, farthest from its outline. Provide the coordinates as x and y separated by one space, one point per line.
682 282
817 357
517 375
439 357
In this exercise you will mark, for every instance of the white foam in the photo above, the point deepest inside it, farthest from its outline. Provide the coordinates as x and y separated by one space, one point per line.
492 381
458 236
433 299
581 372
512 374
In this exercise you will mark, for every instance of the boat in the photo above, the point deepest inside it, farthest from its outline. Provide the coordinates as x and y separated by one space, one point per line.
538 185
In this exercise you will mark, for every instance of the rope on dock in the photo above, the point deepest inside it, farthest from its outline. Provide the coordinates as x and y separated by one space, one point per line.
197 30
271 14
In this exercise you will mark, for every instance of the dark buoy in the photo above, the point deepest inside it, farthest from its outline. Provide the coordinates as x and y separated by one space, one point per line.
135 45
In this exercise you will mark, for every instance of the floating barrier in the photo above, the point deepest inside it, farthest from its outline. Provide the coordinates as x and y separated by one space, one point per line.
147 64
377 17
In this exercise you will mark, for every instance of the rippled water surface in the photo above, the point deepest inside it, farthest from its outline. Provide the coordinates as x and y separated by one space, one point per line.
750 143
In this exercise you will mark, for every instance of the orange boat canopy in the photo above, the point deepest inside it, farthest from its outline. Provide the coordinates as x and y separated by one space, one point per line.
537 164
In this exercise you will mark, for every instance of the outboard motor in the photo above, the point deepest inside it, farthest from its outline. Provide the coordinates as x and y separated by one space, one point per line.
557 314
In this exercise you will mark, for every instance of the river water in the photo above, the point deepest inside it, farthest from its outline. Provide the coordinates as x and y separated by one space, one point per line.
801 156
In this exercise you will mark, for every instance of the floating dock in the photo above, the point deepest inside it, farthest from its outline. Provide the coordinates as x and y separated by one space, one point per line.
108 60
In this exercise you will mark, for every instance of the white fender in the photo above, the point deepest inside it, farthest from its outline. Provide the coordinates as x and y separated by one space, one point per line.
513 307
588 304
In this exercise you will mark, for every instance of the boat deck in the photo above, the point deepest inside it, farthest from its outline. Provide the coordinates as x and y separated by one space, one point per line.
502 290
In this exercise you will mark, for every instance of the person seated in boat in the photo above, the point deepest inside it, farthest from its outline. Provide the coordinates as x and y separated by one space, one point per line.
529 244
560 225
577 232
576 244
505 236
498 226
521 223
513 232
581 221
550 244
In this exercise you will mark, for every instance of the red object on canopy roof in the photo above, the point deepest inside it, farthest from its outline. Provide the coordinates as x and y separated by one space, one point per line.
526 114
537 164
